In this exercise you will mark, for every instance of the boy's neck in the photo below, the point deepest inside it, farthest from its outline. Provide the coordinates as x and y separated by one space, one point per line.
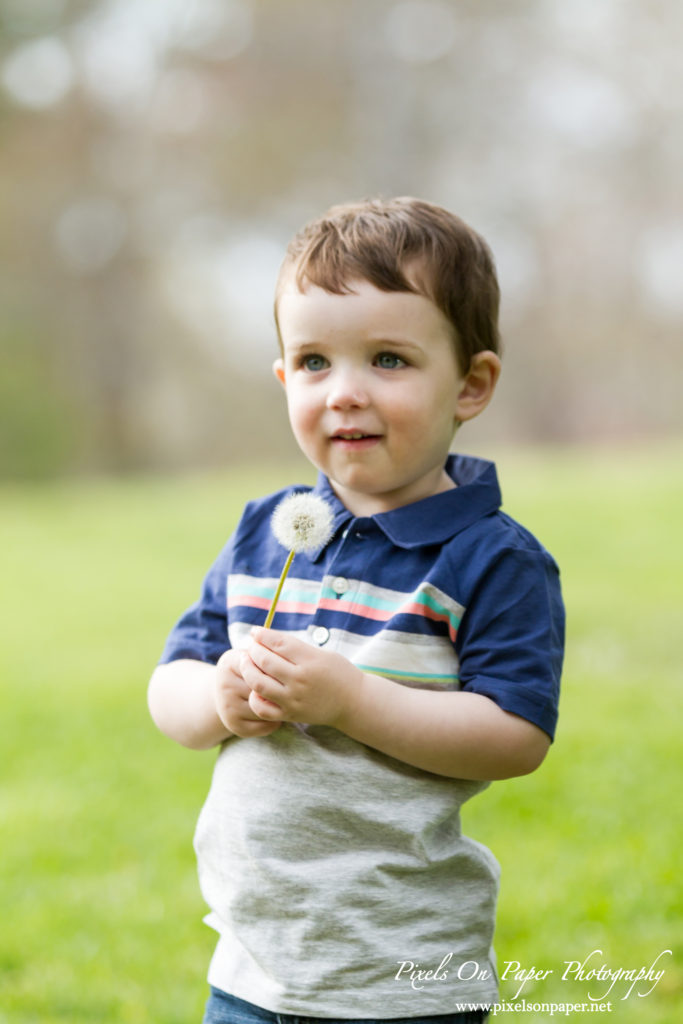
365 505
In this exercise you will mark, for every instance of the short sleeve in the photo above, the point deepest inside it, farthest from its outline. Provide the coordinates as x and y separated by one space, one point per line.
511 638
202 631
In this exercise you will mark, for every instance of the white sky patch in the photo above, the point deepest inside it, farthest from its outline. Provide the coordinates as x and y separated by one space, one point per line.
38 74
516 263
223 289
118 53
587 108
586 18
420 31
244 276
220 29
660 268
122 44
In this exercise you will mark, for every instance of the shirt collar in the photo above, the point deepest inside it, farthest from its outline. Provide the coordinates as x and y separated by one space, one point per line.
432 520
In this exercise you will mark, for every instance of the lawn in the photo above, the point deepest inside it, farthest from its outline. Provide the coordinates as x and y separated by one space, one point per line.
101 912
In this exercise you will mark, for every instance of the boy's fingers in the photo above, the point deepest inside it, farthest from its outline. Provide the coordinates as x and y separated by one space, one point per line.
265 700
264 709
269 661
261 684
247 727
273 640
267 637
252 672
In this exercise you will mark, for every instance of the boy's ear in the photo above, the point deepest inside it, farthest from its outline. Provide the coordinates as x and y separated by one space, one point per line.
279 371
479 385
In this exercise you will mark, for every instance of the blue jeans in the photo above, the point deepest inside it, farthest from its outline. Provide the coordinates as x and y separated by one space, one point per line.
224 1009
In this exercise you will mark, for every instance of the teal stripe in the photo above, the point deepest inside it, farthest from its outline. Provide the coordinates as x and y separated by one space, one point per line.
418 597
363 600
421 597
430 677
289 593
253 588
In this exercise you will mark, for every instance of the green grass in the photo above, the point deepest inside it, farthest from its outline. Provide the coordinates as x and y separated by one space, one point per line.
101 913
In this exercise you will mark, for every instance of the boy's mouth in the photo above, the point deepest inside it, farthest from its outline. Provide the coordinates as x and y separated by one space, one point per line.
354 439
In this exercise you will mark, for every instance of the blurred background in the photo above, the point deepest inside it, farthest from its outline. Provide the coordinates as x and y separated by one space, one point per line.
157 155
155 158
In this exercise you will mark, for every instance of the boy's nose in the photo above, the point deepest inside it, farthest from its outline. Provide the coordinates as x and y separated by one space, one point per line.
347 393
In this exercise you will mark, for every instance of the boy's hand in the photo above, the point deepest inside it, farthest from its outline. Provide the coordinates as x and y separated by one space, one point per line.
291 681
461 735
232 700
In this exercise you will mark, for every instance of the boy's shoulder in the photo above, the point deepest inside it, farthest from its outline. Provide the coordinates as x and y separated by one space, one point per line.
499 536
496 558
477 479
503 531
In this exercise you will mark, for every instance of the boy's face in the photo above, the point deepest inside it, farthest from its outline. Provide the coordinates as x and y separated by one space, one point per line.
373 391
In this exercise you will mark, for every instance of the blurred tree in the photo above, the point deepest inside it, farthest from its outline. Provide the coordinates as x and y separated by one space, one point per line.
157 157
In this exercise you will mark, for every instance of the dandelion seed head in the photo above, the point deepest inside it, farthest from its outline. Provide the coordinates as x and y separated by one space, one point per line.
302 522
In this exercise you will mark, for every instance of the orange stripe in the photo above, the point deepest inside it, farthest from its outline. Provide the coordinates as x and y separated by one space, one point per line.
353 608
429 613
350 607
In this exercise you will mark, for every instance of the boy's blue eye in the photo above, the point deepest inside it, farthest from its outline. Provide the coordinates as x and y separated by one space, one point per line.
314 363
389 361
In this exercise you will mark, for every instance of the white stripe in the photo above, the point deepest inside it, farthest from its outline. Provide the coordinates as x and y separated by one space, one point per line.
239 634
392 651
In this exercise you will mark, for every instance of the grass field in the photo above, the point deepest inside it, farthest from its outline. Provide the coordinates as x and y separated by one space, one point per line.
100 908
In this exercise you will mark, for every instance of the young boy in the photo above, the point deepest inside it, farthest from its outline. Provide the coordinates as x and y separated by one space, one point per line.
416 657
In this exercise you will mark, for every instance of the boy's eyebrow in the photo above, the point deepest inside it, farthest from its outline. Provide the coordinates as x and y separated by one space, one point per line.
296 347
379 339
382 339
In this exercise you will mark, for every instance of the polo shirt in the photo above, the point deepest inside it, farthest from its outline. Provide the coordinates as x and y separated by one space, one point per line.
326 864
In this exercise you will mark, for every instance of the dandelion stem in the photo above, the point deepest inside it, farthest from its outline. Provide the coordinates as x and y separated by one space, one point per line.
283 575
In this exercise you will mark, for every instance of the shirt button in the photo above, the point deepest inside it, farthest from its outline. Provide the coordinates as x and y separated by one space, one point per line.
340 585
321 635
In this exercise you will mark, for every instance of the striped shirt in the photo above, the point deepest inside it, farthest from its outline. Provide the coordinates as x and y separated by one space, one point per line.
327 864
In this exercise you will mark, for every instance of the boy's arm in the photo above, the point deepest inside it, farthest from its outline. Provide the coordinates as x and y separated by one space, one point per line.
458 734
199 705
182 703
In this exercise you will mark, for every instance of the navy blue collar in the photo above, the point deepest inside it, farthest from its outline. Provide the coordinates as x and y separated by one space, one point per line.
432 520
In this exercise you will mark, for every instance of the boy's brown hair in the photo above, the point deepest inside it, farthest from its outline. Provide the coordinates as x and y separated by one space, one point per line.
403 245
